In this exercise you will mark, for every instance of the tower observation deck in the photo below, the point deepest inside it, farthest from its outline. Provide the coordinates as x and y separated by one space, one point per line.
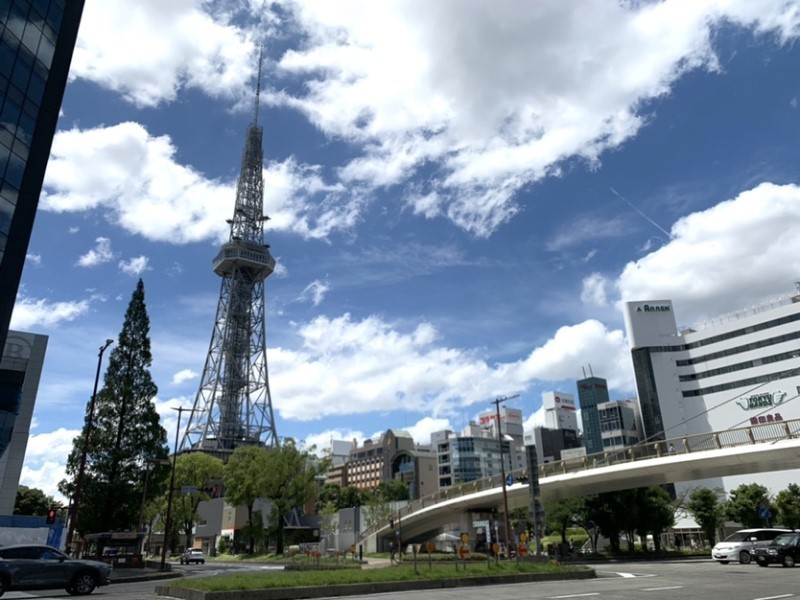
233 406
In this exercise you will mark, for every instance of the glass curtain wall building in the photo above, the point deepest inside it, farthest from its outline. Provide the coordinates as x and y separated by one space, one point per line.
37 38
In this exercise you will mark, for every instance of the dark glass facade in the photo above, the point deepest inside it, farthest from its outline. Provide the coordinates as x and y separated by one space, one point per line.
647 391
37 38
591 392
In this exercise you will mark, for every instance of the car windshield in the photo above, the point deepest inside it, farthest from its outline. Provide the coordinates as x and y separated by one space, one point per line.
786 539
739 536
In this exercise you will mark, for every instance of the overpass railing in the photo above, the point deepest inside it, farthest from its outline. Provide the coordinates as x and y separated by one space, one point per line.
730 438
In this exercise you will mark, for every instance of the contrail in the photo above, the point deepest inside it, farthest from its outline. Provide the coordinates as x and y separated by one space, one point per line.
649 220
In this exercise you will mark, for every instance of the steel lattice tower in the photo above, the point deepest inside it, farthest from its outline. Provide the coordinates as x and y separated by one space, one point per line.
233 406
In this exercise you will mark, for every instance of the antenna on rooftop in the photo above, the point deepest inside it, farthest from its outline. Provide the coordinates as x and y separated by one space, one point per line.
584 371
590 370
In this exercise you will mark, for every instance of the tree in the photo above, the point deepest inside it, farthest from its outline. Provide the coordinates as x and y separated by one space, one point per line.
245 481
612 513
31 502
656 514
394 490
787 502
561 514
289 482
744 504
127 433
196 470
707 509
329 521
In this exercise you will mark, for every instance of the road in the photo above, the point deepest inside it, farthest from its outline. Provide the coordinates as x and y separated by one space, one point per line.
677 580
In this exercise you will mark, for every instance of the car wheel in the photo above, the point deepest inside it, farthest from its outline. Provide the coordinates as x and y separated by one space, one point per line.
202 562
3 586
82 584
744 558
762 563
788 561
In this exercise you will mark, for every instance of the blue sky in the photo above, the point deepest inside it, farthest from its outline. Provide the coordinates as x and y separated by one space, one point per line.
461 193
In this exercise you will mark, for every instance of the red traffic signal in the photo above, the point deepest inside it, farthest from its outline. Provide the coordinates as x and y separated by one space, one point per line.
51 516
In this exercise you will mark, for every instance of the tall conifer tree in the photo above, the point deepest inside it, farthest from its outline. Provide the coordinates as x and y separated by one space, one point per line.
127 433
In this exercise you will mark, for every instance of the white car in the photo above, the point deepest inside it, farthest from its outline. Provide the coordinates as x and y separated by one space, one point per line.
739 546
193 555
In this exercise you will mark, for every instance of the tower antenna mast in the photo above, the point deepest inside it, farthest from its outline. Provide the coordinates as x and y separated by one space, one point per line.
233 406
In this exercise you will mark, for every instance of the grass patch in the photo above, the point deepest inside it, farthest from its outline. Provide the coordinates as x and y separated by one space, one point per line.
404 572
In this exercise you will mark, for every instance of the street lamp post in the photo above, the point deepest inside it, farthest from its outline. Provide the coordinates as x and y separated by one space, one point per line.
168 520
148 463
76 497
506 522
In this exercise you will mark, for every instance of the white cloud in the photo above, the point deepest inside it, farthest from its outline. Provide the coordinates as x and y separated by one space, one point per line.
594 290
492 96
149 50
101 253
34 259
314 292
133 175
750 244
30 312
348 367
74 230
421 430
183 376
134 266
45 460
322 441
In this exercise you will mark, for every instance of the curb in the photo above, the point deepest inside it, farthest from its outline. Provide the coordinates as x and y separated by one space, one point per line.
356 589
145 577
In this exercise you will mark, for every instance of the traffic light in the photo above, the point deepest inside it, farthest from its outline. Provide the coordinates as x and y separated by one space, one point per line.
51 516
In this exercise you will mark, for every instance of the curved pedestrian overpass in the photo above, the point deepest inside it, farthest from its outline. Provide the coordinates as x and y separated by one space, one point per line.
753 449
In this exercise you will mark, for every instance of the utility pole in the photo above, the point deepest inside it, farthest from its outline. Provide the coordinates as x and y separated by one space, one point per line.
76 497
168 520
506 521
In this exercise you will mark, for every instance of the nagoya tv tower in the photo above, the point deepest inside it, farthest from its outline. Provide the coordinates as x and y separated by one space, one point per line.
233 406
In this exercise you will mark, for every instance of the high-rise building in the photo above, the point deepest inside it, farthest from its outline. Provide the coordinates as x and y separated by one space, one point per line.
20 370
233 406
732 371
559 411
591 392
394 456
37 38
473 454
619 424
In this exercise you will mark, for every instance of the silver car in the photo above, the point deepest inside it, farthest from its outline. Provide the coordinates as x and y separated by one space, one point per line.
739 546
40 567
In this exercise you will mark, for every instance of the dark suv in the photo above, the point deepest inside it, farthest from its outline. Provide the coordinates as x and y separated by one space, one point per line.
39 567
783 550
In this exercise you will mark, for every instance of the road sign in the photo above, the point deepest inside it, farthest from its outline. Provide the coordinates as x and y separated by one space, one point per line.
523 537
764 513
463 551
188 489
429 547
464 538
509 480
496 548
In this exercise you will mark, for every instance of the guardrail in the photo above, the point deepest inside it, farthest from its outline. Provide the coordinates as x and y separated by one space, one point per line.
730 438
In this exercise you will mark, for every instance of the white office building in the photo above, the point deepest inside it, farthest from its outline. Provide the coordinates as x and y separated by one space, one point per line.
730 372
560 411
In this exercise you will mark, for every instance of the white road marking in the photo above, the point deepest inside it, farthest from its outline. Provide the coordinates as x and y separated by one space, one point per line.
672 587
577 595
774 597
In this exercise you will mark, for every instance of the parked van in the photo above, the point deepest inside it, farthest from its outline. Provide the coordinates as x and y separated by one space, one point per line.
739 545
